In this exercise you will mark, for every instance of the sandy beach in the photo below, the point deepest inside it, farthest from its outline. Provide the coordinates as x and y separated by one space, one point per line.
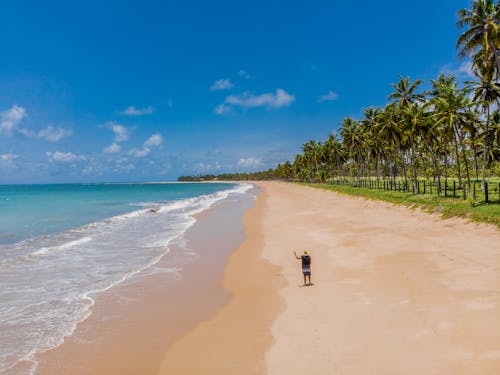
396 291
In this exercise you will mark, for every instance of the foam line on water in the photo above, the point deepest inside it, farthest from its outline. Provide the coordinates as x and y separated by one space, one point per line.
141 236
64 246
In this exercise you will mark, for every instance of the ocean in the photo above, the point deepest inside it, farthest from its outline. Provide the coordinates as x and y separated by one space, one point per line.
61 244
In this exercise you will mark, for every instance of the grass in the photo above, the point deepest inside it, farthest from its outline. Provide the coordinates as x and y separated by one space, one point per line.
446 207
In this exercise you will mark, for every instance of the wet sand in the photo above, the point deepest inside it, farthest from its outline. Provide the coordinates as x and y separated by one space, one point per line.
236 339
133 323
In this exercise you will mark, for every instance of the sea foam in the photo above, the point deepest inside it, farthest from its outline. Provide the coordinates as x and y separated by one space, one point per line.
48 281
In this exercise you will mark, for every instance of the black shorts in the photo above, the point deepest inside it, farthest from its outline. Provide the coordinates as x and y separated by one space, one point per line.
306 270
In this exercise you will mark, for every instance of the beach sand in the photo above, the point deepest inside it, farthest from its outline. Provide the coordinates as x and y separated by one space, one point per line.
396 291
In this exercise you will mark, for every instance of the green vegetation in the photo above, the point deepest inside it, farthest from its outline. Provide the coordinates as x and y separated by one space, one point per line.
447 135
265 175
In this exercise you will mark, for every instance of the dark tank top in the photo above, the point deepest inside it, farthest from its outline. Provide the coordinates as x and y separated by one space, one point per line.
306 260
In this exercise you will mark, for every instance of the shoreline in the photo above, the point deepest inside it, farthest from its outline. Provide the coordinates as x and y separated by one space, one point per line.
236 339
395 291
135 319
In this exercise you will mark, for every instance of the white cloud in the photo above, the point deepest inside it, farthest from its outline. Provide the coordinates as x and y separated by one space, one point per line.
242 73
222 109
64 157
132 111
464 70
141 152
279 99
222 84
50 133
123 165
7 161
121 132
8 158
53 135
328 97
249 162
125 168
112 148
12 117
154 141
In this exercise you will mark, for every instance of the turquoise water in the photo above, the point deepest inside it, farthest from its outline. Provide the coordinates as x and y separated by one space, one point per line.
61 244
32 210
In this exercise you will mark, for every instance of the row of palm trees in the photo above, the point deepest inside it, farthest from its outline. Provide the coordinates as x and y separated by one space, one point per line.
449 130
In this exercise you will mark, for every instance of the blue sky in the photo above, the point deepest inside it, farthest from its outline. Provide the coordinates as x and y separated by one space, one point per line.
145 91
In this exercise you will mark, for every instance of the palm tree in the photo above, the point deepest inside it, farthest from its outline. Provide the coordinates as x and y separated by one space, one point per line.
353 138
313 157
334 153
405 92
370 123
450 112
494 136
414 117
495 129
389 130
404 95
473 129
485 93
481 39
481 42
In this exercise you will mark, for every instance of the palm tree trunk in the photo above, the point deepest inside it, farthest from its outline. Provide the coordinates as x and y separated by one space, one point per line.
464 153
446 169
457 154
403 165
378 166
414 166
394 167
476 164
485 148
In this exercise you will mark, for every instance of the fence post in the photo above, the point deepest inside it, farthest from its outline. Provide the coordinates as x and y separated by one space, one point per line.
499 192
424 187
454 188
430 187
446 188
474 196
486 192
464 192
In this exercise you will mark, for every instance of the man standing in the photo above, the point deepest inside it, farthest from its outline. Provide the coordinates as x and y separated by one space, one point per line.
306 266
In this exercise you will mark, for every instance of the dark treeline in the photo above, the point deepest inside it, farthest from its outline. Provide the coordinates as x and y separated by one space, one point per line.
451 130
263 175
